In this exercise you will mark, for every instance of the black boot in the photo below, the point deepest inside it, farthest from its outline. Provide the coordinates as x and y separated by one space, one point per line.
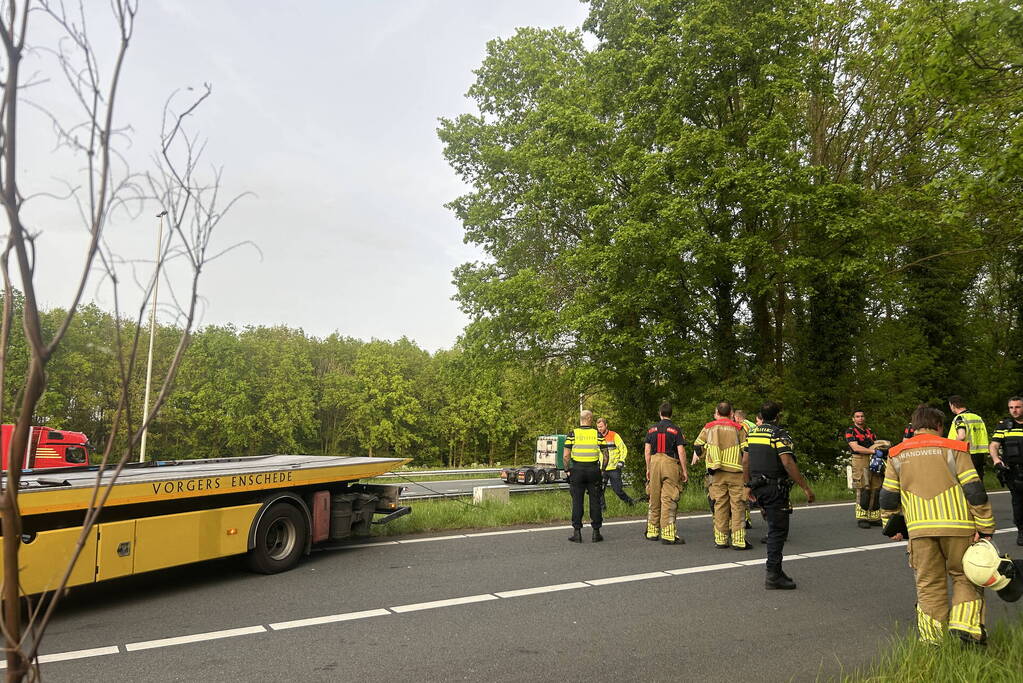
577 536
863 523
597 538
779 581
630 501
1019 537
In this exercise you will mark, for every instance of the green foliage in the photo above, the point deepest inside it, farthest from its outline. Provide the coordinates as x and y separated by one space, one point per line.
815 202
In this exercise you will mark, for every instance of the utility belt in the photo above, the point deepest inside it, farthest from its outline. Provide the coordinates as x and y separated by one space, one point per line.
673 457
1010 475
761 480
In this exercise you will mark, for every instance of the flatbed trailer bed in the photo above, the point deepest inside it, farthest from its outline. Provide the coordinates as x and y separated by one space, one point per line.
272 508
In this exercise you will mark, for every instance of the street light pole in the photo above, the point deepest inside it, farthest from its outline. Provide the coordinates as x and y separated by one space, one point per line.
152 336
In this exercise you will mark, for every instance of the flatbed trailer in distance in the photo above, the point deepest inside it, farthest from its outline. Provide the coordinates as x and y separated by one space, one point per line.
271 508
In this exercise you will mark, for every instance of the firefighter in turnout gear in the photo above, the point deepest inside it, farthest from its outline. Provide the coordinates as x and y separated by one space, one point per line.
721 442
769 465
934 484
584 454
969 427
865 482
1006 450
616 454
665 455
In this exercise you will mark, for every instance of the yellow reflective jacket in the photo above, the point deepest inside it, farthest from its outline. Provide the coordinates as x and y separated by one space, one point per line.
934 483
976 431
616 449
721 442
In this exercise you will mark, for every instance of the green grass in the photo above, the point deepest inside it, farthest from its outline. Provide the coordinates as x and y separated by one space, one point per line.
556 506
906 659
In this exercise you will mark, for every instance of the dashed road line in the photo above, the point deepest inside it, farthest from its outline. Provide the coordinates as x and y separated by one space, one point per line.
438 604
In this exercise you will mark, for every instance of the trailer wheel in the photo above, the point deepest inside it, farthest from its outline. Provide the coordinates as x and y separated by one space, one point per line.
280 540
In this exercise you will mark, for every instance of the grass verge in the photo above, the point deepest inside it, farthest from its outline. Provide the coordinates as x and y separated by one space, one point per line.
432 477
907 659
556 506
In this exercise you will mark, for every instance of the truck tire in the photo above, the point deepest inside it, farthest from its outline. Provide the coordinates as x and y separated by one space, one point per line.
530 477
541 477
280 540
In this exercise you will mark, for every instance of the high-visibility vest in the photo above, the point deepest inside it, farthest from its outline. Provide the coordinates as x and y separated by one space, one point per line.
976 432
584 444
616 449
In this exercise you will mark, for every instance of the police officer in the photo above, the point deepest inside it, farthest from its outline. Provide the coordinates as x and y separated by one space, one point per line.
720 441
1006 450
616 454
967 426
769 465
866 483
584 453
937 488
665 455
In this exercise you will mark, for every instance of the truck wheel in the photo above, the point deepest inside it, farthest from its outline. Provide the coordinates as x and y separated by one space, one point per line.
541 477
530 477
280 540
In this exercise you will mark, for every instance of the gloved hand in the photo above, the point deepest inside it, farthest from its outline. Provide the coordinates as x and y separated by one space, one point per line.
1003 472
877 462
620 465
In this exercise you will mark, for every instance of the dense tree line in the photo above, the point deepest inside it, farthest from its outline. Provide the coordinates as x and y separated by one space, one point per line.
817 202
264 390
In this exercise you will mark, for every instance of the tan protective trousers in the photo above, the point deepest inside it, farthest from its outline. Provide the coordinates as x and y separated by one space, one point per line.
935 559
729 507
868 488
664 489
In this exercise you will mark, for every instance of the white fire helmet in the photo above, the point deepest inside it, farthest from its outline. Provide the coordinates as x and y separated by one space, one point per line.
984 567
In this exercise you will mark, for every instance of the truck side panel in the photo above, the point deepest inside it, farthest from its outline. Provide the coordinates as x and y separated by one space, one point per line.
171 540
115 555
44 559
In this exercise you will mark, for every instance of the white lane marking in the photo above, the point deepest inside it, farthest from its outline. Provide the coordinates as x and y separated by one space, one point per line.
329 619
704 568
415 607
362 545
427 540
194 638
542 589
628 577
495 533
836 551
882 546
96 652
76 654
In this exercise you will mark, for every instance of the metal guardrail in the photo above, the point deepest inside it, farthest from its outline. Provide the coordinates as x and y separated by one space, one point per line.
517 488
431 473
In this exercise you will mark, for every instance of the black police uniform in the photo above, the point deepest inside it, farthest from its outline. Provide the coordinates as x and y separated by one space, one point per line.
587 450
1009 434
770 483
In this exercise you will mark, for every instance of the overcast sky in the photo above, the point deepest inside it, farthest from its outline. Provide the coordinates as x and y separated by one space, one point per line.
327 112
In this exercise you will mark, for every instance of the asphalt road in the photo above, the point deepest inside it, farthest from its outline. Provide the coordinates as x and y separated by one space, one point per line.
512 605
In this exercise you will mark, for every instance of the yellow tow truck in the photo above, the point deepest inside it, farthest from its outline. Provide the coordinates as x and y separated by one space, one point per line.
272 509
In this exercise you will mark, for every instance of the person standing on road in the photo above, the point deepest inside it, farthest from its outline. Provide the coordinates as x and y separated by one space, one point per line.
584 452
1006 450
969 427
722 441
933 482
616 454
769 465
665 455
866 483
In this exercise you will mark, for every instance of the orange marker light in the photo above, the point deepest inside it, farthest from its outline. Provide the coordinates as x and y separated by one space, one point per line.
232 532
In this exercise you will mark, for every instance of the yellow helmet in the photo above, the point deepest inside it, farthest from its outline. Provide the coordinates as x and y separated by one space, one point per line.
982 565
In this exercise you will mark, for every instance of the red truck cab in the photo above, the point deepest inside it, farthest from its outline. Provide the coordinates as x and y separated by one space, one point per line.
49 448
